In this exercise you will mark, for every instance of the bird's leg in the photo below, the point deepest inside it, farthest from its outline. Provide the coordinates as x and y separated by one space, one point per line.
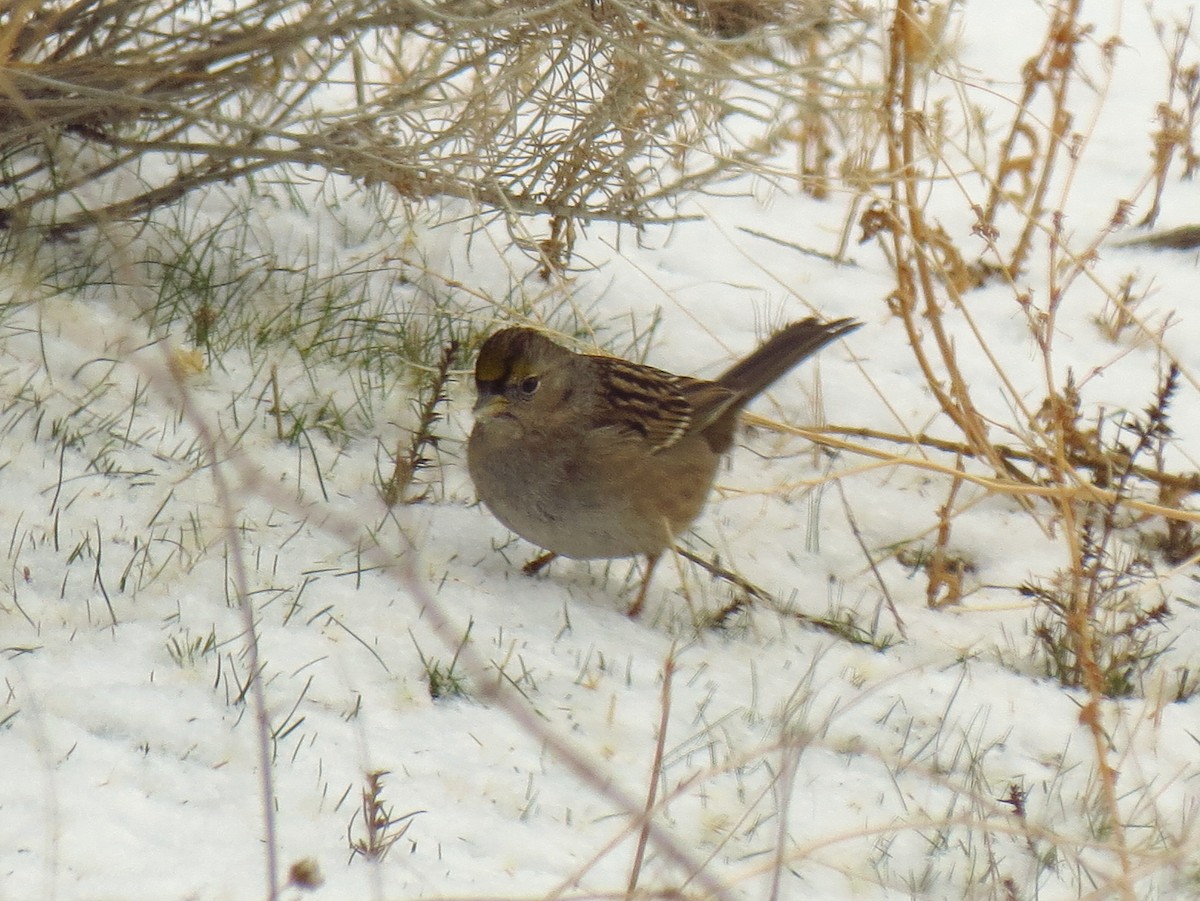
636 607
538 563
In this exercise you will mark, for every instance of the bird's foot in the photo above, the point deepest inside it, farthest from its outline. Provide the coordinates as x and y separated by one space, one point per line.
538 563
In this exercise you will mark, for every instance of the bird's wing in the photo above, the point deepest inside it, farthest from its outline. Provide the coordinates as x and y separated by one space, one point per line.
657 406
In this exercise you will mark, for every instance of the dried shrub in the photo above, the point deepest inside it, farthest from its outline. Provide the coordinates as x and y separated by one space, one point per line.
577 110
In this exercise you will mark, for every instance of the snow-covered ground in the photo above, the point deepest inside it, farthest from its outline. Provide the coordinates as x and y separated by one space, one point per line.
794 760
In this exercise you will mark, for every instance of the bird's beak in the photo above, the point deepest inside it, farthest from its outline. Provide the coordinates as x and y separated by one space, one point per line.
490 404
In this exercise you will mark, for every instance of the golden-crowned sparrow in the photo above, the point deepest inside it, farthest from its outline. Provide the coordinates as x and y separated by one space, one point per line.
591 456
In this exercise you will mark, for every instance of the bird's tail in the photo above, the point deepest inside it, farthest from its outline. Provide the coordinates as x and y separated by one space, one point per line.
783 350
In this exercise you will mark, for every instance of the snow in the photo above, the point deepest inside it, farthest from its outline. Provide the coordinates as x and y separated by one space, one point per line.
130 763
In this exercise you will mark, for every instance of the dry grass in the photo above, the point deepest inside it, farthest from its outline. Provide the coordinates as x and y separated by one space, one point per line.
575 111
1087 481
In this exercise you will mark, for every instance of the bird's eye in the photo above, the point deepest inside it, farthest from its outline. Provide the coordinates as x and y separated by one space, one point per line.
529 384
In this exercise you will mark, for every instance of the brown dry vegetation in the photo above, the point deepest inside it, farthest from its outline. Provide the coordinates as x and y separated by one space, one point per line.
576 111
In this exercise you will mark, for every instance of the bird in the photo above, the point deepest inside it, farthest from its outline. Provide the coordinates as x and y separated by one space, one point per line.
591 456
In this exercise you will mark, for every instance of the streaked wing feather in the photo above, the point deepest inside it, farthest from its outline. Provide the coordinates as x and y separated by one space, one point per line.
658 406
708 399
646 402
